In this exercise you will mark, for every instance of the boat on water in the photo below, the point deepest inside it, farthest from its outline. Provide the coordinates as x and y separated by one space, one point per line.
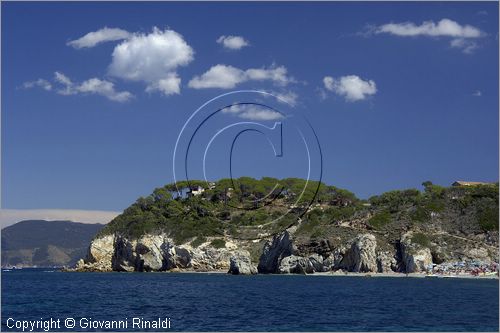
432 276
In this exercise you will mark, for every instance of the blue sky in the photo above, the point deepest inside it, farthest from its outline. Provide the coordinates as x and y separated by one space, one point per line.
398 93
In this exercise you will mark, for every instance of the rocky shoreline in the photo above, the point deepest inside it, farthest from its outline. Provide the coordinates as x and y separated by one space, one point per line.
443 231
330 274
284 254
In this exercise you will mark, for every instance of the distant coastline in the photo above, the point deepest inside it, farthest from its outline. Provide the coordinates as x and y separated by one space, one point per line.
331 273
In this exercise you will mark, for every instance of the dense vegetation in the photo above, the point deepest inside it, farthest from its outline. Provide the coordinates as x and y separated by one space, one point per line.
236 208
246 207
463 208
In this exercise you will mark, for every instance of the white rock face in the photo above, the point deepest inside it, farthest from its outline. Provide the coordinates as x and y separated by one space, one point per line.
241 264
100 254
101 249
361 257
386 262
206 257
295 265
177 256
418 261
415 257
158 252
153 252
479 253
150 254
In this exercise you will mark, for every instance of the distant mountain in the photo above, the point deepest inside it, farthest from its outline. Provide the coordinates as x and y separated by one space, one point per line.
46 243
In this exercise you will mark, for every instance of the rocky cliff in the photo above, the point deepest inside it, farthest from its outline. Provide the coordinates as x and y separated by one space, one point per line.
407 231
158 252
281 254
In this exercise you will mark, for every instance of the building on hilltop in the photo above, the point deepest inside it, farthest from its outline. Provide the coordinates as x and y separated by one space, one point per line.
195 190
464 183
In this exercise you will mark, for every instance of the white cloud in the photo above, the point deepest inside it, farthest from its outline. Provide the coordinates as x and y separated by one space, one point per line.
100 36
463 35
329 83
252 112
65 82
219 76
11 216
477 93
445 27
286 97
91 86
152 58
276 74
168 86
466 45
227 77
42 83
351 87
233 42
104 88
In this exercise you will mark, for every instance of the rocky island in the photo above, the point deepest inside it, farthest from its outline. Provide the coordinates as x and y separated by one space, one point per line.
248 226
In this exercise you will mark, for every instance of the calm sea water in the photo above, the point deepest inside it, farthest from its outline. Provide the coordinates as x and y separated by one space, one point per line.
207 302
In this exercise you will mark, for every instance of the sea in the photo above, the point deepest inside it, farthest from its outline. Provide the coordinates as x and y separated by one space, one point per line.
51 300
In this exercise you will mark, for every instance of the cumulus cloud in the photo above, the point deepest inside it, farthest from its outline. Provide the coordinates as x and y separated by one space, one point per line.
41 83
252 112
152 58
463 35
232 42
219 76
351 87
11 216
227 77
104 88
90 86
168 86
100 36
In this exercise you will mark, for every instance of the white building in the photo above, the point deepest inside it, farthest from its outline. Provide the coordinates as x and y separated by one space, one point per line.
195 190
